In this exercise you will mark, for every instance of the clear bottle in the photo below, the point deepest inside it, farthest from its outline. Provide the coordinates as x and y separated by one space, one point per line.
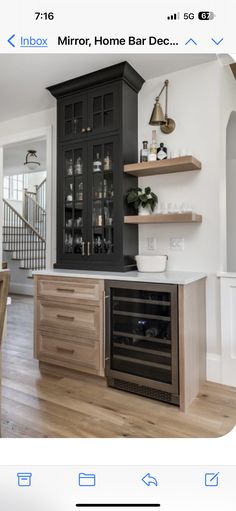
107 162
97 164
144 152
152 154
162 152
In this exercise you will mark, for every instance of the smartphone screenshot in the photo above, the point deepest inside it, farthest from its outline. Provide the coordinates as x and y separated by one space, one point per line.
118 256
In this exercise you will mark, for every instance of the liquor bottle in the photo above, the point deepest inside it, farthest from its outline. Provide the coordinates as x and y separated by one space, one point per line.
144 152
161 152
152 154
97 164
107 162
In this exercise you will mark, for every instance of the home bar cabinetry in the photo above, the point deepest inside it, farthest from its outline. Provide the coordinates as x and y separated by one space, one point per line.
148 333
97 135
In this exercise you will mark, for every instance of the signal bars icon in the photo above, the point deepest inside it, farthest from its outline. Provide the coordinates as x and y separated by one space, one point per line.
175 16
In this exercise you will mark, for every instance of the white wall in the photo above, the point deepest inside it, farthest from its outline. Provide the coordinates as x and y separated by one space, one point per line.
231 214
197 104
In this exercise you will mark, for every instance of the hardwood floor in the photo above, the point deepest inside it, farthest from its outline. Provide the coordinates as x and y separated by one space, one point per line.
35 405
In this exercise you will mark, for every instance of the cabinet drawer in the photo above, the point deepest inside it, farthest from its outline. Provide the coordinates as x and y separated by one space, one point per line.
80 355
71 290
77 320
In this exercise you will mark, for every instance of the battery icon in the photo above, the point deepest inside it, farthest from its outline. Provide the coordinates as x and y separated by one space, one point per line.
206 15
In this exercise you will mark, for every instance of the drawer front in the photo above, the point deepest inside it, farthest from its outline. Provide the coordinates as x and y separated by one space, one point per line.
70 290
82 355
76 320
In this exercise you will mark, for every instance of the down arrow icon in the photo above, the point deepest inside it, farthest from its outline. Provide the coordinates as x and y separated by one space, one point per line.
148 480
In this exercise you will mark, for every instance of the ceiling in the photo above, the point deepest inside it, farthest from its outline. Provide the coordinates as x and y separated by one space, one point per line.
14 156
24 78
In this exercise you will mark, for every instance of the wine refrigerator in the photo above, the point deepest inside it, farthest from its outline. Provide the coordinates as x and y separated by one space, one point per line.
141 349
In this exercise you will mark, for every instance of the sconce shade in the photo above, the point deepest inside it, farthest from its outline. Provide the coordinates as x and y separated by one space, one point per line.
157 118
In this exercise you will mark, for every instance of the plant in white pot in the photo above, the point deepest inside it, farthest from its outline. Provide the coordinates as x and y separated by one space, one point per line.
144 201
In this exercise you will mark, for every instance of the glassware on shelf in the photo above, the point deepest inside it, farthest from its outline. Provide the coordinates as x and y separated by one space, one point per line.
105 188
69 197
98 187
107 163
110 192
107 246
69 222
97 215
98 244
78 241
97 164
69 167
68 243
78 222
78 166
79 194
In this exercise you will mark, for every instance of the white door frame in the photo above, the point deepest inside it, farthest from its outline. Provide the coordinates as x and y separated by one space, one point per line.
46 133
228 329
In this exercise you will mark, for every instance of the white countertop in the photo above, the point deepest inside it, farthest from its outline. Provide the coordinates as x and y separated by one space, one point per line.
167 277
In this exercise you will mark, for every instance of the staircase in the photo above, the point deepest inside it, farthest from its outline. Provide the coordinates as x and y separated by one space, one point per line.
24 237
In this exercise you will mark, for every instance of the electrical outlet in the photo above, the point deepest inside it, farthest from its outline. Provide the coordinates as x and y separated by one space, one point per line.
177 244
151 243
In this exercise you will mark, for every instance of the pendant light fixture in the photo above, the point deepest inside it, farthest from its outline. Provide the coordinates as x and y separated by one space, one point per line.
166 124
31 160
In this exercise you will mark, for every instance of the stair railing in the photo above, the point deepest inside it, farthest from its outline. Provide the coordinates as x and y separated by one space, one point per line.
41 193
34 213
23 240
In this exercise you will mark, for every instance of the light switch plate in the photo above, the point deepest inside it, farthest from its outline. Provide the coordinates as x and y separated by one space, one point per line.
177 244
151 243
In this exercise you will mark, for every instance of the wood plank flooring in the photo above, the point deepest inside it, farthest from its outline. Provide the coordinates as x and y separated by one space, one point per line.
35 405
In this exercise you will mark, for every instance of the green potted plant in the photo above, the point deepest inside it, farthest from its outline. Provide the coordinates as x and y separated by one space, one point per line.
144 201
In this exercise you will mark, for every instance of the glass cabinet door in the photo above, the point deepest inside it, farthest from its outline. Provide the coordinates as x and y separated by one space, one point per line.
101 160
73 117
103 109
74 184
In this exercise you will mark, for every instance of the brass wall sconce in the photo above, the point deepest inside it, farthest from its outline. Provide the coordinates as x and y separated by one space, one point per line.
166 124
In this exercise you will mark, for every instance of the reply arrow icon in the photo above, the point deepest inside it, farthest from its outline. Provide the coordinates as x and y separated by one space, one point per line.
148 480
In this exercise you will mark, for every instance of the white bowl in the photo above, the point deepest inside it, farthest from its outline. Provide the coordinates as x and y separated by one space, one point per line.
155 263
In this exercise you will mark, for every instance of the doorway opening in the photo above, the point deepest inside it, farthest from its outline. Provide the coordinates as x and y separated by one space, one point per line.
24 226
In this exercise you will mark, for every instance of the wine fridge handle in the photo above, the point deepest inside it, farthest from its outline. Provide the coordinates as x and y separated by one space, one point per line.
89 248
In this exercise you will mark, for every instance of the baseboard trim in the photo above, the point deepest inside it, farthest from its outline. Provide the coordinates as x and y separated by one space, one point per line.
21 289
214 368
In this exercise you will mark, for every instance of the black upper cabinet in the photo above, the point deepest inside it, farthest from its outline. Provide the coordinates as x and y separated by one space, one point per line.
97 135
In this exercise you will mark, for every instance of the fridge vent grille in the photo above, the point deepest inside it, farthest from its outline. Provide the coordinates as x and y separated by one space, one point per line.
142 390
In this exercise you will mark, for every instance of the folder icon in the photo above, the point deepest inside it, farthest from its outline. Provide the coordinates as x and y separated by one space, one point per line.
87 479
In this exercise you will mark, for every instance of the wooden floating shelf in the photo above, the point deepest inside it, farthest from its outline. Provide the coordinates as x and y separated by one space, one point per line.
164 219
169 166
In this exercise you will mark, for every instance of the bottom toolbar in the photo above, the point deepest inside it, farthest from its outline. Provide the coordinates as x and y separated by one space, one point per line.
171 488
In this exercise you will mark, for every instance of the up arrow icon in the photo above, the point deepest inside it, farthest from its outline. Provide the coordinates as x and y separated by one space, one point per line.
191 40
